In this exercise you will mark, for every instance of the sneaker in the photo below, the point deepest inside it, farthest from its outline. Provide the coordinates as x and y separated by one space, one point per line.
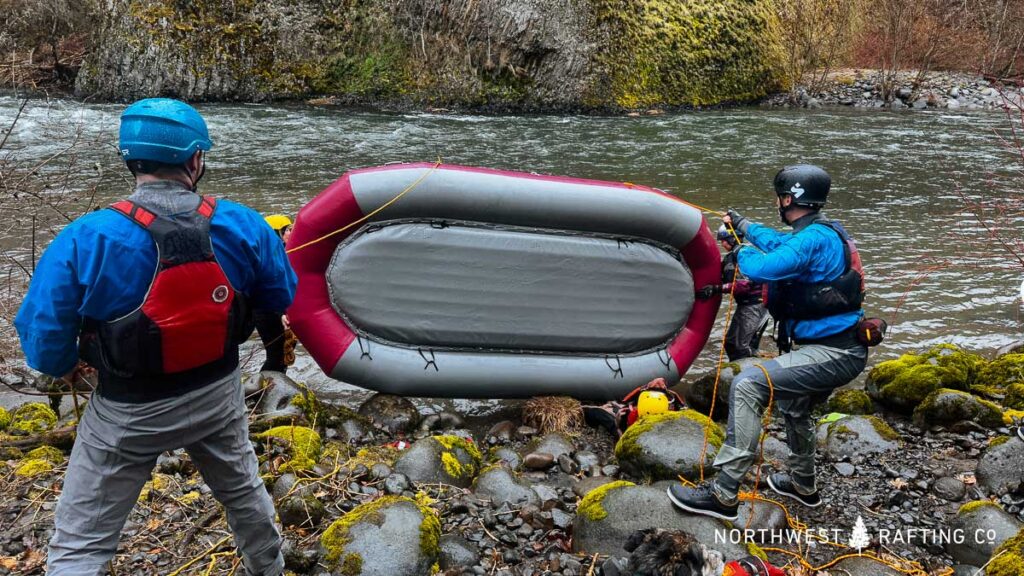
1020 432
783 484
702 500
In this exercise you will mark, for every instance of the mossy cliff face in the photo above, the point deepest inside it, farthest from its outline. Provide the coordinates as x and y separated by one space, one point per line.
478 53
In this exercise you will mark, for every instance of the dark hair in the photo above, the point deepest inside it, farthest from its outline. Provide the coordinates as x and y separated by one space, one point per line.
152 167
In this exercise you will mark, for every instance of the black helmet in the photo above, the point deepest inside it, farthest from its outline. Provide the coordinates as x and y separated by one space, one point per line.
807 183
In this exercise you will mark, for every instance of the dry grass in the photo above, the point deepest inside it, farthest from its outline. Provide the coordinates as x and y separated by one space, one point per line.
553 414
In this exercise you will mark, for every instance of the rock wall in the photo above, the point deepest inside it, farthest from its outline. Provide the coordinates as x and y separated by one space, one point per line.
520 54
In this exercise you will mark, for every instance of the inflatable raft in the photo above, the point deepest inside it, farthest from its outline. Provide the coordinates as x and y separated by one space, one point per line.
477 283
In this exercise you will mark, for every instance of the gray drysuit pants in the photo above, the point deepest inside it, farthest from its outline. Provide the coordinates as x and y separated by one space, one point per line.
115 452
800 379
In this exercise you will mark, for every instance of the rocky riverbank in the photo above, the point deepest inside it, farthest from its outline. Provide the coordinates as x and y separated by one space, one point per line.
926 452
911 91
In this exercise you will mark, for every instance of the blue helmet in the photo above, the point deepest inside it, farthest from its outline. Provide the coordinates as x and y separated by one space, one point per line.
162 130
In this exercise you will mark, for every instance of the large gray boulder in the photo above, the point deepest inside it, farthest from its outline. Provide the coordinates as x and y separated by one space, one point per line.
984 526
392 536
855 437
608 515
664 446
1001 467
440 459
499 485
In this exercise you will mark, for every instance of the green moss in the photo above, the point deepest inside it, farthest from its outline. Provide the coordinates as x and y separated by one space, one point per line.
1014 397
352 565
1003 371
850 401
48 453
373 455
337 536
1013 417
5 418
591 506
883 429
945 406
903 383
33 467
756 551
304 446
454 465
1008 558
695 53
310 405
33 418
627 444
972 506
998 441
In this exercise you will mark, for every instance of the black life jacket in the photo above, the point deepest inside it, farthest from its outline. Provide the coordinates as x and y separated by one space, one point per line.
794 300
191 320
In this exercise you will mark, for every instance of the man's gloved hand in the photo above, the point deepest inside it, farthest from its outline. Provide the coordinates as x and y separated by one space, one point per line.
709 291
737 220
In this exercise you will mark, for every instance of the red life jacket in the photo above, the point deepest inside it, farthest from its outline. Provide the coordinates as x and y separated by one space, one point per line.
191 316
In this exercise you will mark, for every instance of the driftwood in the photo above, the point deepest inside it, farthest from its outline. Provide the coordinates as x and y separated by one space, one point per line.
62 438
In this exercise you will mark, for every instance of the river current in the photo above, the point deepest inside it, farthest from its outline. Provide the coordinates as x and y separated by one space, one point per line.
898 180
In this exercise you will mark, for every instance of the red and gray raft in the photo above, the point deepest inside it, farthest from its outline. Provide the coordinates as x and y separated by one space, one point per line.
483 283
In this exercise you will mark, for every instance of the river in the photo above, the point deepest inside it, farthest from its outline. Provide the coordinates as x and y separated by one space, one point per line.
896 180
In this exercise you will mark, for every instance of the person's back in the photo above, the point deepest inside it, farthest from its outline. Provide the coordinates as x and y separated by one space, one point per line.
156 292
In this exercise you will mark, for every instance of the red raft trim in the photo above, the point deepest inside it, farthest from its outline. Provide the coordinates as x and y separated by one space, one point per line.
327 337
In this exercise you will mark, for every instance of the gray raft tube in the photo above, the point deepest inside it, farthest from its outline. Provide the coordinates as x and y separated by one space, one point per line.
476 283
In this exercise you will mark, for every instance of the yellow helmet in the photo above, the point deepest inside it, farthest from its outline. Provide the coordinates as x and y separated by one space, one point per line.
651 402
278 221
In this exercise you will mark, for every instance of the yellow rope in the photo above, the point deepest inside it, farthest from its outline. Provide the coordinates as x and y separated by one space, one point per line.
408 189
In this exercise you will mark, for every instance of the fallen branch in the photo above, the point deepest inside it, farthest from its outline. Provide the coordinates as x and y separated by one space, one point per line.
59 438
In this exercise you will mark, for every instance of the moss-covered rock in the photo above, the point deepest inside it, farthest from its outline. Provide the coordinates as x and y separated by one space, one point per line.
850 401
903 383
512 53
859 436
5 419
1014 396
664 446
1002 372
985 526
33 467
303 444
391 535
945 406
1008 559
590 506
447 459
32 418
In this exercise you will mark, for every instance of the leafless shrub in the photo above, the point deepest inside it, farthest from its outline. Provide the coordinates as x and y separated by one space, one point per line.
44 41
816 35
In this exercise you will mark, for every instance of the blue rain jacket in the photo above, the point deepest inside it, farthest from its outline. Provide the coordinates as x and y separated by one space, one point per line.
813 253
101 265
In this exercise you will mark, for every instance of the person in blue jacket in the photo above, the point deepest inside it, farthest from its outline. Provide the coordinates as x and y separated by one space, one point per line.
156 294
815 291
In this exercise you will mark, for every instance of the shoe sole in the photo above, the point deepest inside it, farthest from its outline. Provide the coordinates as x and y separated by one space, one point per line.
711 513
798 497
1020 433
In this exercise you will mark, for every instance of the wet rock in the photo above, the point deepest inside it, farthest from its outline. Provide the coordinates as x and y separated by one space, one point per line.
567 464
555 444
502 431
538 461
698 393
395 414
854 437
545 493
391 535
300 510
498 485
949 488
298 559
664 446
845 469
1016 347
443 420
944 407
609 515
585 485
283 485
507 456
775 451
457 552
396 484
278 392
769 519
446 459
587 460
977 521
1001 467
966 570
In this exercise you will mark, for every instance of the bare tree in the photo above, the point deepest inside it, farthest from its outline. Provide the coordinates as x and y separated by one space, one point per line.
816 35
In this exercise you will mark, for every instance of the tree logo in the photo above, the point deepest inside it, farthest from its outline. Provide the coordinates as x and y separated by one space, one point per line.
859 539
